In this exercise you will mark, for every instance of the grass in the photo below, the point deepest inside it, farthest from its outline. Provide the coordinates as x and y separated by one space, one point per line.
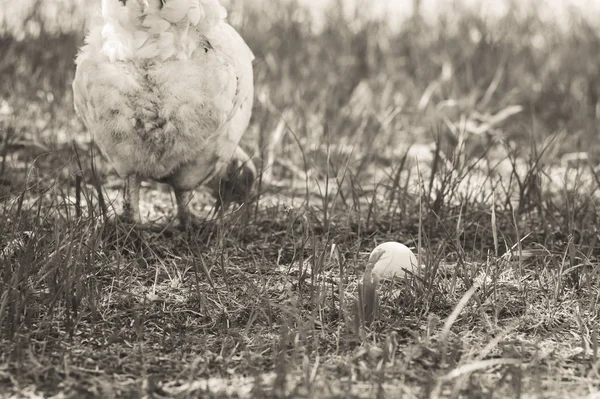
272 299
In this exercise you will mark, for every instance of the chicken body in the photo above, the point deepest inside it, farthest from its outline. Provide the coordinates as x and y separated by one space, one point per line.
165 87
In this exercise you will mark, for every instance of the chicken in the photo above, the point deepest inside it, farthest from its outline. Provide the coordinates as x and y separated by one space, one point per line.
165 88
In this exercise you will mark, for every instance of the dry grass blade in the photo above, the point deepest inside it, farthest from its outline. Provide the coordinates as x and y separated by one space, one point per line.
479 365
454 316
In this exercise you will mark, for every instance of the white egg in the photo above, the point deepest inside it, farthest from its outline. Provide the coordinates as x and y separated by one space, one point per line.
395 260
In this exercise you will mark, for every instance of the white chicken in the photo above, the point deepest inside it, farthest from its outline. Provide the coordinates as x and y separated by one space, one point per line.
165 87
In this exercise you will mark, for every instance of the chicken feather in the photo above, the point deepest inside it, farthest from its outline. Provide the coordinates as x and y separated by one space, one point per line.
166 91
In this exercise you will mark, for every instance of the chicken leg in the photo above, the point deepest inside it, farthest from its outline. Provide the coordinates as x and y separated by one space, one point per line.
183 198
131 199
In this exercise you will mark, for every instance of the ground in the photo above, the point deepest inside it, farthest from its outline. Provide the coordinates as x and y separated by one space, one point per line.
474 143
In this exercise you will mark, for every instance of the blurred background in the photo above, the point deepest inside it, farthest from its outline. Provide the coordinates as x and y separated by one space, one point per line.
365 77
